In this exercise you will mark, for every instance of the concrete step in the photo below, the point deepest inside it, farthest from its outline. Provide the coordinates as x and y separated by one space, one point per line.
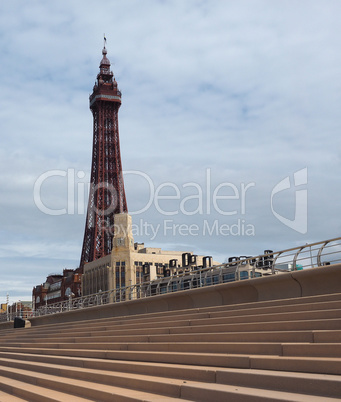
210 346
268 317
201 327
301 383
249 382
213 320
266 336
269 336
312 306
284 305
270 304
322 365
327 385
78 332
222 311
13 390
200 359
281 302
223 393
280 363
192 345
197 347
179 371
207 347
74 387
313 349
139 382
230 311
302 364
327 336
5 397
257 336
319 324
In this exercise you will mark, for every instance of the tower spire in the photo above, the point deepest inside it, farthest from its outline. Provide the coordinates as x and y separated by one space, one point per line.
107 195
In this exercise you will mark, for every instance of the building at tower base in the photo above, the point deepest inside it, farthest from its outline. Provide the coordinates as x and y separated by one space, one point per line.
126 264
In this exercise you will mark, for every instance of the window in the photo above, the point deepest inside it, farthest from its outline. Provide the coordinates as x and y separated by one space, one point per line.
244 275
228 277
215 278
139 274
120 241
159 268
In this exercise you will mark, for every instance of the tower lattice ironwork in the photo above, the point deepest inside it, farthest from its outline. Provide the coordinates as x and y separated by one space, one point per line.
107 195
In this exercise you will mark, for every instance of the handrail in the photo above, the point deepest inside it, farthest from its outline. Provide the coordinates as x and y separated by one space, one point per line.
264 264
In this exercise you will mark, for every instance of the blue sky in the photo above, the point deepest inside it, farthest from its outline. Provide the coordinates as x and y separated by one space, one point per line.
244 93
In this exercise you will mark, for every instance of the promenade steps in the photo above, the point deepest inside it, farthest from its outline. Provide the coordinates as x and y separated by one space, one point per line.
281 350
279 306
184 318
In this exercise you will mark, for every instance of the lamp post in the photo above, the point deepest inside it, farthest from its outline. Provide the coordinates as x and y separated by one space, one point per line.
131 290
71 295
7 306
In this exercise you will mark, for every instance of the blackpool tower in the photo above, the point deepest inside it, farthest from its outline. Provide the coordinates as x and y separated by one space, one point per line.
107 196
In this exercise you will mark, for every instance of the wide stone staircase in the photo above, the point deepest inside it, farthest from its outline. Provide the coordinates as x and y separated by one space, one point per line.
280 350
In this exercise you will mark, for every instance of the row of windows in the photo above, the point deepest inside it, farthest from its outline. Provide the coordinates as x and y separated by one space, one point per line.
120 271
94 281
157 264
140 263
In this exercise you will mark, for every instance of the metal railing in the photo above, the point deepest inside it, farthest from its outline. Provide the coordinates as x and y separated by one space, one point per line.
312 255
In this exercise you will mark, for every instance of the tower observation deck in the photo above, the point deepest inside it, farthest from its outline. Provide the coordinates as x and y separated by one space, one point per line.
107 195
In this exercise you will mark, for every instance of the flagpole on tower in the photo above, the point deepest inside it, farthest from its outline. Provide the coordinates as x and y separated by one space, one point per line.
105 40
